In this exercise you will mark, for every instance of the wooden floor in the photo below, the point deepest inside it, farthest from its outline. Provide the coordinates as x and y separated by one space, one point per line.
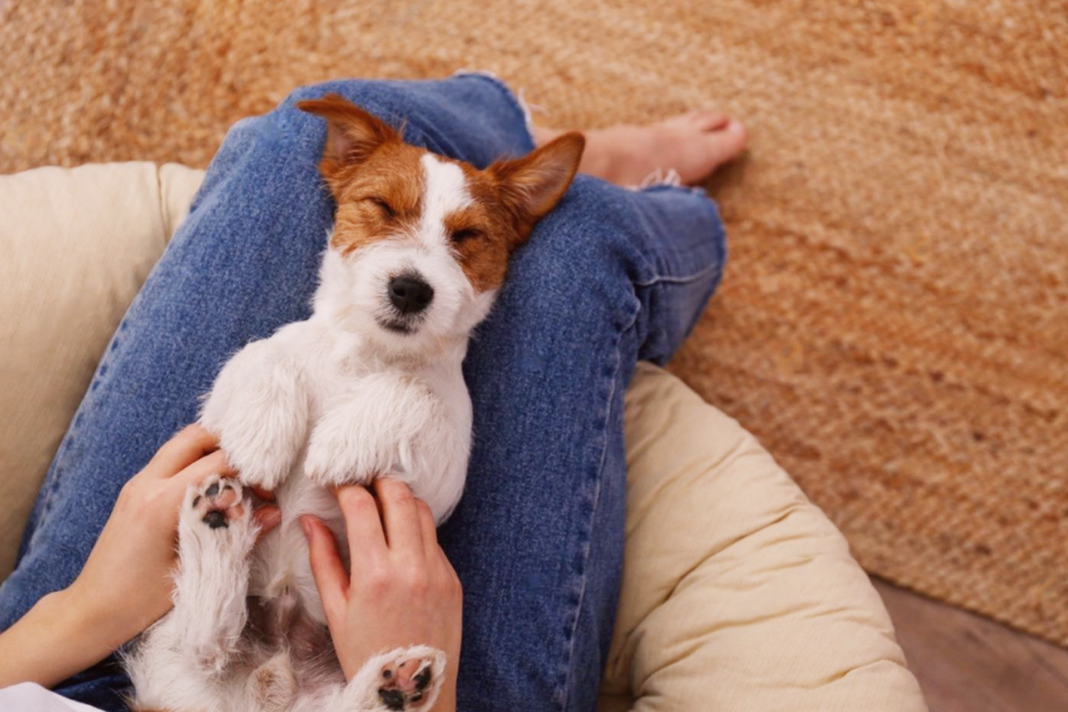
966 663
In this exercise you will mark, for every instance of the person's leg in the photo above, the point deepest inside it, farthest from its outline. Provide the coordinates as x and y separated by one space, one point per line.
609 277
607 274
688 145
243 263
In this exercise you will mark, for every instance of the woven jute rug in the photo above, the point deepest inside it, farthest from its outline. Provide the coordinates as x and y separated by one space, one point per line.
894 321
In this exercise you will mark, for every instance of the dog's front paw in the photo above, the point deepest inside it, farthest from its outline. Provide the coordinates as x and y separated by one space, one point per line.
332 462
261 459
259 410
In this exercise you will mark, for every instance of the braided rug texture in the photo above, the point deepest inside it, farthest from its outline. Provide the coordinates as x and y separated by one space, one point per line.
894 321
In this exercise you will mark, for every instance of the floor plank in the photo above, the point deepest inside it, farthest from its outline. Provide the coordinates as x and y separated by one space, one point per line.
967 663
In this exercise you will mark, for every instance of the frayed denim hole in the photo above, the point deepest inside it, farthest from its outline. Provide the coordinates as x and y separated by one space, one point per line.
719 245
668 187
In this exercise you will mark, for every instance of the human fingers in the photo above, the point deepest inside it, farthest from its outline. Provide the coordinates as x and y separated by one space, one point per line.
267 517
262 493
428 530
435 556
367 540
400 517
212 464
163 495
186 447
326 566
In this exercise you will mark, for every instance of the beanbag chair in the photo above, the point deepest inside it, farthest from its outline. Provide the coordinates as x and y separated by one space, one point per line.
738 595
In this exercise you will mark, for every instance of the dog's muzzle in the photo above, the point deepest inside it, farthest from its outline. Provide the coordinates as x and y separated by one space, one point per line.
410 294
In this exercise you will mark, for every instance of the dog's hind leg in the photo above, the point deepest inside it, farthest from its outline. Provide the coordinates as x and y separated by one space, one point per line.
272 686
179 659
400 680
216 534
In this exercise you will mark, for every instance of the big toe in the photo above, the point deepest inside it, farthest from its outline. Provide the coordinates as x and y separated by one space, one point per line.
725 143
700 120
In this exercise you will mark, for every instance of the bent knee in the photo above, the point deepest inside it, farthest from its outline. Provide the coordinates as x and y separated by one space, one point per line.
592 231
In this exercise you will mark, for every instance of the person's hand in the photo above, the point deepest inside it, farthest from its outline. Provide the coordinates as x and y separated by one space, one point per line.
126 583
402 590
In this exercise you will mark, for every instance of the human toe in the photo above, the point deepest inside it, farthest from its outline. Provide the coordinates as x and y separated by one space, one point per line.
697 120
727 142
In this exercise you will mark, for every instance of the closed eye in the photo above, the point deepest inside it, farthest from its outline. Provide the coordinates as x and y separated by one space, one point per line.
382 205
466 234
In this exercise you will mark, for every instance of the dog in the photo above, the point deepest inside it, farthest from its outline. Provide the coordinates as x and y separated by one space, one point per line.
370 385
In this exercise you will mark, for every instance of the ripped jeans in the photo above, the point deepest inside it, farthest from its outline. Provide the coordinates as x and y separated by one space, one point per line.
609 277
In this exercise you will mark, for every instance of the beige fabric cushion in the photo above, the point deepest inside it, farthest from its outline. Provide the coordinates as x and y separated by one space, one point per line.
738 593
75 246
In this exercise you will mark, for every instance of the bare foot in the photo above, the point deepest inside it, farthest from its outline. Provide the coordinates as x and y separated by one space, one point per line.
693 144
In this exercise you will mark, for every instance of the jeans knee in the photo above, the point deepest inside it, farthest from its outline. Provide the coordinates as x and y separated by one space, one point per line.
467 117
591 231
378 97
355 90
581 259
648 258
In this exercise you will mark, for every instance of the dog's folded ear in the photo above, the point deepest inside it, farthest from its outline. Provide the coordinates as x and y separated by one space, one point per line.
352 133
532 185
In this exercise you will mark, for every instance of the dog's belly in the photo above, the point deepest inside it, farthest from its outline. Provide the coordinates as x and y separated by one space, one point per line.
282 579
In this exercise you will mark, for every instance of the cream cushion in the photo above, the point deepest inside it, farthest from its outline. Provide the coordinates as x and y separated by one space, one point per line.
738 593
75 246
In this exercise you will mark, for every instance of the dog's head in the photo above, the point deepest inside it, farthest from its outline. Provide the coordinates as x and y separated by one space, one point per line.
421 242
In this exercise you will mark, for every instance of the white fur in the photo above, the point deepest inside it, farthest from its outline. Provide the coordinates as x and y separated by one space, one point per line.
334 399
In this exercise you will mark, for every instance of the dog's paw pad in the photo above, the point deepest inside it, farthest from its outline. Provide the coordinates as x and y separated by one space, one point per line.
217 502
404 684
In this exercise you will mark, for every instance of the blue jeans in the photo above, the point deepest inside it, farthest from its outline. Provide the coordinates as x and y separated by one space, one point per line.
611 276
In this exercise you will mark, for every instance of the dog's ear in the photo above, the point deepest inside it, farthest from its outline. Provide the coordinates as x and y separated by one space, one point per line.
352 133
532 185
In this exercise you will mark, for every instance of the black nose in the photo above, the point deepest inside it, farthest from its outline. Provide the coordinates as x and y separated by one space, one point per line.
410 293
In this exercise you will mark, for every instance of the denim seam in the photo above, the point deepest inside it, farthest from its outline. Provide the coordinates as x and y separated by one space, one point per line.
56 475
719 246
598 476
665 279
57 472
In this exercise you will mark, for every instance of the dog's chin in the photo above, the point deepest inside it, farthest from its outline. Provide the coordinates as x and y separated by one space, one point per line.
399 327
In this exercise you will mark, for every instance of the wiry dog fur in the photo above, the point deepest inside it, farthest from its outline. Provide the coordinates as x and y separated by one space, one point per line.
370 385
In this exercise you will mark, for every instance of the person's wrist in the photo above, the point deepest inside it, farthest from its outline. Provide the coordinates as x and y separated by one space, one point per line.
55 639
94 618
76 614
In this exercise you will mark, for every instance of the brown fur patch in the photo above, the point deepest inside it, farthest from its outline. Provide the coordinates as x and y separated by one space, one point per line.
510 197
394 174
378 183
391 176
492 231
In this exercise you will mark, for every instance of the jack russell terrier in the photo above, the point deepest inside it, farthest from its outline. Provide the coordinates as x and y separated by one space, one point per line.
370 385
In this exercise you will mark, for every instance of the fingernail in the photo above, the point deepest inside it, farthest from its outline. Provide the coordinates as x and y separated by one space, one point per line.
306 526
271 517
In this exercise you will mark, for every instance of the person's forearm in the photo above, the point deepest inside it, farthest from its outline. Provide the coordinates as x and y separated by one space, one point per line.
53 641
